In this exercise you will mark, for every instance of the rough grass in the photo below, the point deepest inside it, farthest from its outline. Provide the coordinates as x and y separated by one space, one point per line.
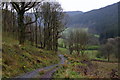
18 59
67 71
73 68
63 50
91 53
104 69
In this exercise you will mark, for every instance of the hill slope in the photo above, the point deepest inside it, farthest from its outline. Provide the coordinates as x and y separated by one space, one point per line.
101 21
18 59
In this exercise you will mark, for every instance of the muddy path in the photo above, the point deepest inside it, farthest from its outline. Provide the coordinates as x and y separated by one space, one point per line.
35 73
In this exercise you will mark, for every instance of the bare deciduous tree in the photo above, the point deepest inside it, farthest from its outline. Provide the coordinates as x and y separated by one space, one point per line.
52 16
21 8
78 41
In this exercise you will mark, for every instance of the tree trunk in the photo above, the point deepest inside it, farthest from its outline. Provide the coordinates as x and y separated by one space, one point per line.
108 57
36 35
78 52
40 34
21 27
31 36
56 46
82 52
44 45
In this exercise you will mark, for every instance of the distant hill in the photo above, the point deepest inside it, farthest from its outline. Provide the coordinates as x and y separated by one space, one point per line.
100 21
73 13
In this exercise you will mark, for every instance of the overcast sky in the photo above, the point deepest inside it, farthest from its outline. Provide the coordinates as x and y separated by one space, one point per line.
84 5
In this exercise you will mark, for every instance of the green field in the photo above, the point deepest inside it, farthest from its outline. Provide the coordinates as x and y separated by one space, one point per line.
90 53
63 50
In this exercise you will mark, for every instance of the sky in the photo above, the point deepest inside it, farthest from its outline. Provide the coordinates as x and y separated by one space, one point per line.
84 5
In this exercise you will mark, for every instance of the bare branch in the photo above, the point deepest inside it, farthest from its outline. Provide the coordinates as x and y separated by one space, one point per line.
32 5
16 6
26 5
31 22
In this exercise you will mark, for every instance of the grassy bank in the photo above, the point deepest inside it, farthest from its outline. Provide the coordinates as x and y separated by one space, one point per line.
18 59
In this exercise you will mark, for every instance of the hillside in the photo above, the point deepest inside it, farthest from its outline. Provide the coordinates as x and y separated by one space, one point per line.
91 18
73 13
96 20
19 59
